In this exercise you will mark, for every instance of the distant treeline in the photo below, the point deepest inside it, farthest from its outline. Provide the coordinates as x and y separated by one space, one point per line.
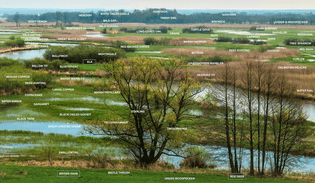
158 16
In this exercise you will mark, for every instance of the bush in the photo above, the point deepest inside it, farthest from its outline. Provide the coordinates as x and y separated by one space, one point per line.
164 31
10 43
209 59
41 77
166 28
164 41
104 31
20 42
4 61
150 41
153 41
198 157
47 65
259 42
13 87
14 43
262 49
294 40
193 163
253 28
80 52
118 44
241 41
123 29
190 30
224 39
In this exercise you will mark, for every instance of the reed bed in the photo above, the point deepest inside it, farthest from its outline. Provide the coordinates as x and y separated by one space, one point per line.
223 53
128 39
4 50
300 78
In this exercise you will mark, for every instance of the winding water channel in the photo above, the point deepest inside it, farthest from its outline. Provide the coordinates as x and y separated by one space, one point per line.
59 127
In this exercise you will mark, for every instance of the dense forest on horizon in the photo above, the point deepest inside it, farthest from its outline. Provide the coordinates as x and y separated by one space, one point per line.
158 16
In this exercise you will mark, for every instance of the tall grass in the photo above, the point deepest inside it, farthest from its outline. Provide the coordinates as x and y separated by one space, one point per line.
16 87
242 55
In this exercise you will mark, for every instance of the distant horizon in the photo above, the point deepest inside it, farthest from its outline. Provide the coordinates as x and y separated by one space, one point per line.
155 8
181 11
174 4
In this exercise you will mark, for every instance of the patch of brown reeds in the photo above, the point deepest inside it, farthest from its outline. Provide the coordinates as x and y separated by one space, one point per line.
60 31
128 39
190 41
97 73
3 50
16 91
80 38
298 77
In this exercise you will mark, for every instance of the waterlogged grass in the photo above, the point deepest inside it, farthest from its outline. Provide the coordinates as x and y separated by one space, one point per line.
85 67
61 101
10 173
304 59
30 137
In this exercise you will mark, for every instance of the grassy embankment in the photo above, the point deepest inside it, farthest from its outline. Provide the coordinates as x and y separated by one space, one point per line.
28 174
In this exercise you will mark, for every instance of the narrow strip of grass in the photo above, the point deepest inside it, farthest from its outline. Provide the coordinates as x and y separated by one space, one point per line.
30 174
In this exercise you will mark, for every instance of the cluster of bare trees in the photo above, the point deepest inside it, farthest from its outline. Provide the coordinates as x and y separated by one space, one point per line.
265 113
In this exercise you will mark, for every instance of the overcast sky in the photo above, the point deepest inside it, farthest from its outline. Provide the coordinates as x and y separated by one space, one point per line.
169 4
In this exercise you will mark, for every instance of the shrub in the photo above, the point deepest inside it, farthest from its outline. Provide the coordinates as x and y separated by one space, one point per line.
190 30
104 31
123 29
121 44
294 40
150 41
20 42
241 41
19 86
166 28
224 39
253 28
193 163
164 31
164 41
10 43
47 65
198 157
4 61
80 52
41 77
259 42
262 49
14 43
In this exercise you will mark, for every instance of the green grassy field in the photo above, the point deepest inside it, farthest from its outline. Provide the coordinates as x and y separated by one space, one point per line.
64 102
30 174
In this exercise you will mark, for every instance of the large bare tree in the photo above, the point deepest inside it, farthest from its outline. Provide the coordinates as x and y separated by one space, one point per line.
156 103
